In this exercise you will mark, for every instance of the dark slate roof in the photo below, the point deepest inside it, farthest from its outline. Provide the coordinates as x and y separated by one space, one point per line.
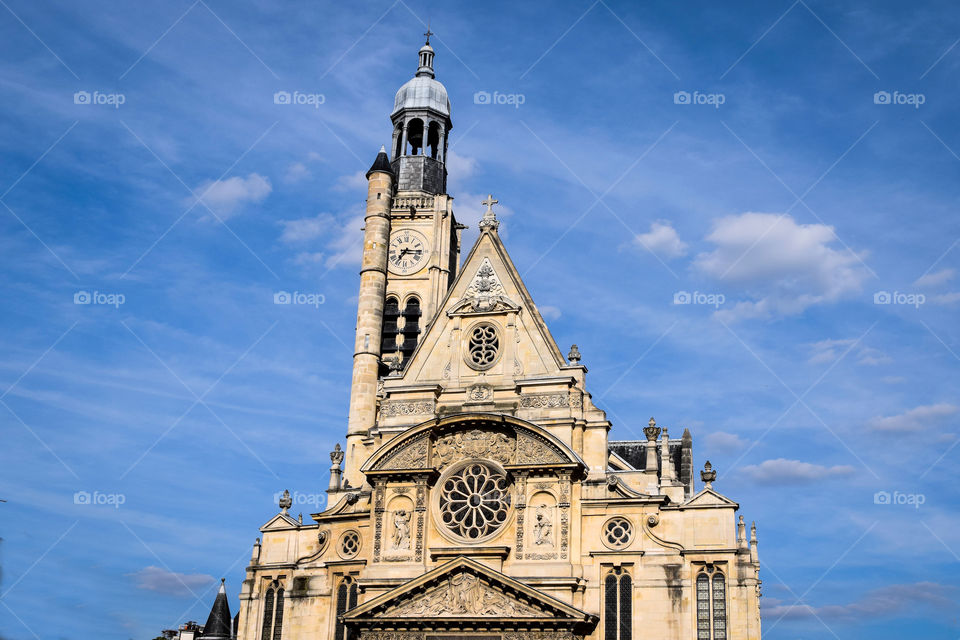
382 163
219 624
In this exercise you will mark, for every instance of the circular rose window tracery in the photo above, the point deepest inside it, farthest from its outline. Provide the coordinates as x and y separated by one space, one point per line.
474 501
483 346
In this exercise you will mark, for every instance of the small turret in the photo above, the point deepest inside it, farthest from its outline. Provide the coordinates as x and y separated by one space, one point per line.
220 623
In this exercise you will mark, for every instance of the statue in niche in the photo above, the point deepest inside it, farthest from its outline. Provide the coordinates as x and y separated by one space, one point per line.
401 530
543 527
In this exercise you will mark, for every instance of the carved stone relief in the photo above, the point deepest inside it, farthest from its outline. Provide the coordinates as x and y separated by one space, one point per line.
465 595
411 456
534 450
392 408
476 443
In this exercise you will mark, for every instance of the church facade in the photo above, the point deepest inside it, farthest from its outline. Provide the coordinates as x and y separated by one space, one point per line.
478 495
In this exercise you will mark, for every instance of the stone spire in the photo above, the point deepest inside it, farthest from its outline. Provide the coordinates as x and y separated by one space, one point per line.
219 622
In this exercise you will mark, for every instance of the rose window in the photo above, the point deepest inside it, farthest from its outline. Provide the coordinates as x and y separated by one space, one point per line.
474 501
349 544
484 346
617 532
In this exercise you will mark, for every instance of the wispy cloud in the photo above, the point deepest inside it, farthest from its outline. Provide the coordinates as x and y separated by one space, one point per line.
885 602
784 266
916 419
662 239
783 471
169 582
226 197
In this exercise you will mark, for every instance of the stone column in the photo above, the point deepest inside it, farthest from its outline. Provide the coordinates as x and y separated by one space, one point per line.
366 354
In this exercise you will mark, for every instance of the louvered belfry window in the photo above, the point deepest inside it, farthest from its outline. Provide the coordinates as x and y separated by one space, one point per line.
617 605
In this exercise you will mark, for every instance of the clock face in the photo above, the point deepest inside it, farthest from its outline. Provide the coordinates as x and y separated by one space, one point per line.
408 251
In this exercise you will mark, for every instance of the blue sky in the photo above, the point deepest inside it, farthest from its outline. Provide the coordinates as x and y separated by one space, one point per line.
778 165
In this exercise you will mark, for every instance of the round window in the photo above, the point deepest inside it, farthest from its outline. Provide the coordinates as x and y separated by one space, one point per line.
474 501
483 346
349 544
617 532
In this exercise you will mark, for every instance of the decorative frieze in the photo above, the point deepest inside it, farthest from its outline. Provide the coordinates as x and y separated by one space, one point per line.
475 443
559 400
394 408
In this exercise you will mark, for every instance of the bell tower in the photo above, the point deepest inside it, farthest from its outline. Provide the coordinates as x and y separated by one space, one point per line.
411 248
424 247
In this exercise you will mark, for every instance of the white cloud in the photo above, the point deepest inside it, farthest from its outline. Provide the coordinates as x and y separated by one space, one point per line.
828 351
783 471
342 241
723 442
785 267
662 239
296 172
354 182
915 419
935 279
168 582
459 168
889 600
224 197
306 229
549 312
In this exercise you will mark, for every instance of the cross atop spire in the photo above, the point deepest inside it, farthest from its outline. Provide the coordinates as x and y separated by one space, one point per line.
429 33
489 202
489 219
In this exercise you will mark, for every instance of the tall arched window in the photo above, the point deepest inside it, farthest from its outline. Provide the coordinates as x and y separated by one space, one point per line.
711 606
272 613
411 328
267 614
617 606
278 617
346 600
703 607
719 607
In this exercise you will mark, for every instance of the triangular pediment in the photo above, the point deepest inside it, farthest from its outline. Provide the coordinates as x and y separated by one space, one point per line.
464 588
487 290
707 498
279 522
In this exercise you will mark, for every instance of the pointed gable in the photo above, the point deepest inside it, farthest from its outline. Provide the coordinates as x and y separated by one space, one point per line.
707 499
465 589
488 290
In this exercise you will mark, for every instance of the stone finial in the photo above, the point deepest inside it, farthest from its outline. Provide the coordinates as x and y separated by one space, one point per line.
300 518
651 430
285 502
489 219
708 475
336 456
574 356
